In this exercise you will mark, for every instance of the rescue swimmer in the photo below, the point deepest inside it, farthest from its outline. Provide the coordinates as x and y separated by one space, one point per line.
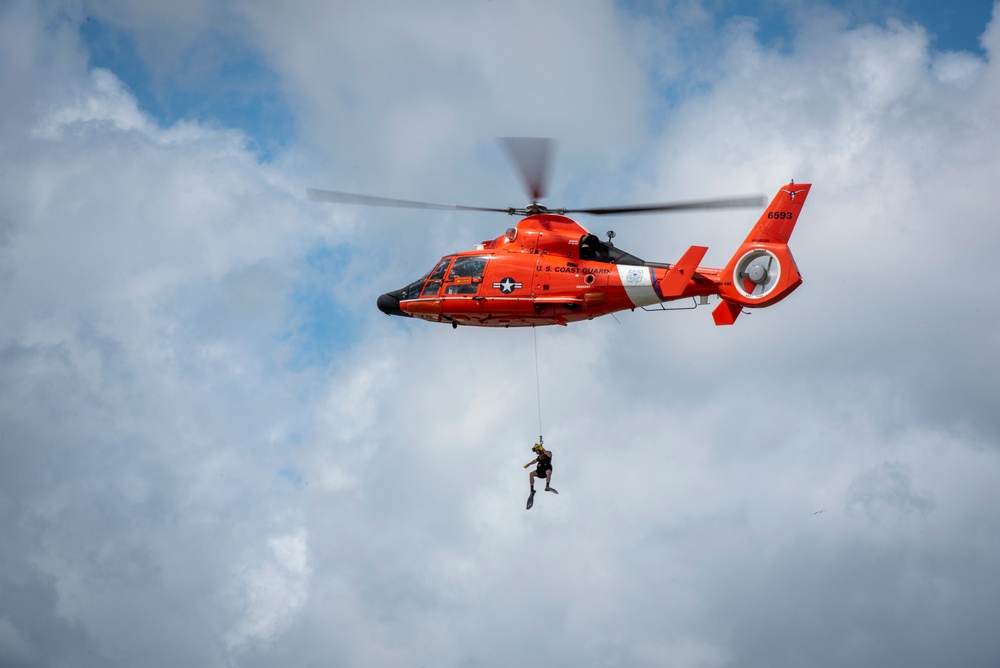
543 459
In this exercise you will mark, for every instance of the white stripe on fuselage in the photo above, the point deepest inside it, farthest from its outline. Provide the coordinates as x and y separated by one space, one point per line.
638 284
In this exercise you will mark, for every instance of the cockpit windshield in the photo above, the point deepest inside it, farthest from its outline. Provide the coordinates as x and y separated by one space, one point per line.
412 291
433 285
464 278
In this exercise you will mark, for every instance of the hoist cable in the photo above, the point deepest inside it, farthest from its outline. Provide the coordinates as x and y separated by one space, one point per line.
538 385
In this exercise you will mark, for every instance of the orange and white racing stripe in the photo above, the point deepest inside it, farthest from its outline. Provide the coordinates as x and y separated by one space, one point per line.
639 284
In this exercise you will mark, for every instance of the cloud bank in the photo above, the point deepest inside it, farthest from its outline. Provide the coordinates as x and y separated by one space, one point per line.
214 451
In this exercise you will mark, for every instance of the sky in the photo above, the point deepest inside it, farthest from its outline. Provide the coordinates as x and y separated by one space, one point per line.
215 451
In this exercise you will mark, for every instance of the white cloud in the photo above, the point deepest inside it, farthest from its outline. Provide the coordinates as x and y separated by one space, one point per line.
273 587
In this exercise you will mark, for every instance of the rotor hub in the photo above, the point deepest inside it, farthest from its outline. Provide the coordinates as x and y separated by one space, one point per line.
757 274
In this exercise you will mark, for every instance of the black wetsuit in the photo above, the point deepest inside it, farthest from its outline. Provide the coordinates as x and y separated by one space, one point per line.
544 465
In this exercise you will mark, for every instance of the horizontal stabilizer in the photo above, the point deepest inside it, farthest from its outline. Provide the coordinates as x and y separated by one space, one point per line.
680 275
726 313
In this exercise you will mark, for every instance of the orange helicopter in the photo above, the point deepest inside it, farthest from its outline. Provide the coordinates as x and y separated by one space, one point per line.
548 270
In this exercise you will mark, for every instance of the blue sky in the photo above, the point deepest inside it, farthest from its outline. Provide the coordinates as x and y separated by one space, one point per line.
215 451
954 27
234 86
234 89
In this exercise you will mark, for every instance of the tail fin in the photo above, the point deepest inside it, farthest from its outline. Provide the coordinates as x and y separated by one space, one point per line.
776 224
763 270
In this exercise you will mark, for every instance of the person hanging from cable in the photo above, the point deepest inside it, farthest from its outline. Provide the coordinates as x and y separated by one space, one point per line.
543 459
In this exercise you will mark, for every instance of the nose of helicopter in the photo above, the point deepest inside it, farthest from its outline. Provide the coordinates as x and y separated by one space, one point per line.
389 304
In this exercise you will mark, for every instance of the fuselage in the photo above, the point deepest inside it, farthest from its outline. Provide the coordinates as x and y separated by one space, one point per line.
548 270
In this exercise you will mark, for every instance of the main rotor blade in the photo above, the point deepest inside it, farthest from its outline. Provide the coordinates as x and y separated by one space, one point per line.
728 203
531 157
368 200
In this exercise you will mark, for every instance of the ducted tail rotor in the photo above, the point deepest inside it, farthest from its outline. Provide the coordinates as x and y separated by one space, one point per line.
757 273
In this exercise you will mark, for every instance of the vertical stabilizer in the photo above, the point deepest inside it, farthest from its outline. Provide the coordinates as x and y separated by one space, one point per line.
763 270
777 222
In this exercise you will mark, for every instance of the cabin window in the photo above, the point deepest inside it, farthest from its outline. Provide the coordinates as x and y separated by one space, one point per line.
462 289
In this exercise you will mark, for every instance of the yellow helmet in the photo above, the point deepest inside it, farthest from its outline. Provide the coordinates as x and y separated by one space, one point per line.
538 447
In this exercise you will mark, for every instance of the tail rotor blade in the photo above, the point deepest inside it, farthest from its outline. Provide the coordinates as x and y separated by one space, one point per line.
767 274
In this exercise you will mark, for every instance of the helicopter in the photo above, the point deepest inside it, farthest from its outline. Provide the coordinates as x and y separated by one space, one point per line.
549 270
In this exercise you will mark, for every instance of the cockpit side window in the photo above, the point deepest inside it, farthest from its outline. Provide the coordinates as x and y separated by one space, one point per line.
468 267
433 285
466 274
